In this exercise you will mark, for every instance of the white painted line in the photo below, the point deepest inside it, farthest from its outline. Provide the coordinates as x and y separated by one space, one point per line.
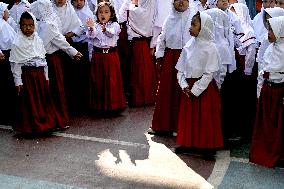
101 140
88 138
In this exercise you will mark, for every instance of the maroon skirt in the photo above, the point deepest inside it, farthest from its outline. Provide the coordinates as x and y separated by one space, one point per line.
199 123
56 85
165 116
268 136
36 109
106 85
143 76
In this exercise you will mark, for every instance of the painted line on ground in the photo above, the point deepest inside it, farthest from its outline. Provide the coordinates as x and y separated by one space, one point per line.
88 138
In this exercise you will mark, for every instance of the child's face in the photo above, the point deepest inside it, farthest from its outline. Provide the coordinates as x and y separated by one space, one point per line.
266 3
135 2
78 4
272 3
195 26
271 36
232 1
280 3
233 10
27 26
266 17
222 4
6 15
181 5
104 14
60 3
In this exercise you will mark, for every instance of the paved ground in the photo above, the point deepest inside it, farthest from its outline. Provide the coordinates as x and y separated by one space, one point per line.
115 152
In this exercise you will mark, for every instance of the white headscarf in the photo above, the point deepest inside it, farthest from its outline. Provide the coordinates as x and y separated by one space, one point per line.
274 55
200 54
273 12
163 9
222 29
48 20
84 13
141 17
7 35
26 48
212 4
3 7
243 13
68 17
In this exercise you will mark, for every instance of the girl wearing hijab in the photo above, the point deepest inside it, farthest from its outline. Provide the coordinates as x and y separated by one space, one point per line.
267 141
200 102
29 68
6 15
139 15
53 42
169 45
7 94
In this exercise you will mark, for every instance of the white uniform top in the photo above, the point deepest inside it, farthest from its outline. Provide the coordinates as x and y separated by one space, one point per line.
274 55
174 38
17 10
140 20
199 58
196 4
258 26
105 39
7 35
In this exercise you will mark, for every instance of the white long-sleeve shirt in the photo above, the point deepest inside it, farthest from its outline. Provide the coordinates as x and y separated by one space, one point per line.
16 69
105 39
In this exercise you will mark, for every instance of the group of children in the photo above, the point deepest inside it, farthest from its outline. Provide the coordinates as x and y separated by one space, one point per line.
195 59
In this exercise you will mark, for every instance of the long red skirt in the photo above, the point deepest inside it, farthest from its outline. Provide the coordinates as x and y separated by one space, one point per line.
143 76
36 109
268 136
165 116
8 94
56 85
199 123
106 85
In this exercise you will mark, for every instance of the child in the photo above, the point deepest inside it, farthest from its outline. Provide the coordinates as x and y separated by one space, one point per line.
257 22
139 15
71 24
267 142
6 16
280 3
7 93
106 88
169 45
268 13
53 42
199 121
17 7
200 5
237 1
30 73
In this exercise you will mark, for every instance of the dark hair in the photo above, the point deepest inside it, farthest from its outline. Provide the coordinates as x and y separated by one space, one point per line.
112 11
26 15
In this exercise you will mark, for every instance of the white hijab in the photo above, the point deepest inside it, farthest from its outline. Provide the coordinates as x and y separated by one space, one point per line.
222 29
212 4
200 54
49 23
258 26
163 9
242 12
141 17
68 17
7 35
26 48
84 13
274 55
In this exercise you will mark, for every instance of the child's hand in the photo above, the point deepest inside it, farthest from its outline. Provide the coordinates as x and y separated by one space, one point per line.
152 51
78 56
19 89
187 92
69 35
2 56
90 23
104 27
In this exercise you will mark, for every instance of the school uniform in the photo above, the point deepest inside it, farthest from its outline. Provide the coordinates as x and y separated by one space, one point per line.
258 26
169 45
139 29
29 68
10 21
196 4
267 141
55 45
7 92
198 63
106 85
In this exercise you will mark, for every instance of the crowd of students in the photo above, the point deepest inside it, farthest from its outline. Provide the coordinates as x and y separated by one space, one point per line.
213 74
